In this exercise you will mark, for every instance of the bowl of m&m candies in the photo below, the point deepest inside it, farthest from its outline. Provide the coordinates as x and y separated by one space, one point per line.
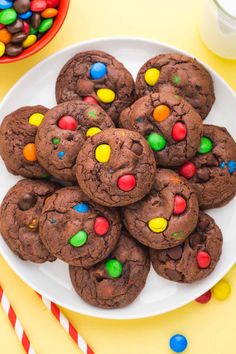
26 26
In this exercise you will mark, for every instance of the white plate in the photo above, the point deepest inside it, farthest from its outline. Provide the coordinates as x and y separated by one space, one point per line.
52 280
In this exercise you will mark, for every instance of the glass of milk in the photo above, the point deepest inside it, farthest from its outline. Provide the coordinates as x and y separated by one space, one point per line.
218 27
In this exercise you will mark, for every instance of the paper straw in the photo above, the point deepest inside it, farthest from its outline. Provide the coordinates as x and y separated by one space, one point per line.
8 309
66 324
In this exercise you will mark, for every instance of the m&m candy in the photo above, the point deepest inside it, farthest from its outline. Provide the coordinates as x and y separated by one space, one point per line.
101 225
79 239
8 16
45 25
178 343
56 141
5 4
90 99
67 123
161 112
33 224
114 268
38 5
156 141
36 119
176 79
2 49
204 298
26 15
5 36
29 41
61 154
203 259
98 71
126 183
206 145
179 205
29 152
81 207
187 170
27 202
221 290
106 95
102 153
93 131
49 13
151 76
157 224
179 131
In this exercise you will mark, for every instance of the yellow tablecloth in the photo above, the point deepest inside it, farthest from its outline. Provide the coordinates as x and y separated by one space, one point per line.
210 328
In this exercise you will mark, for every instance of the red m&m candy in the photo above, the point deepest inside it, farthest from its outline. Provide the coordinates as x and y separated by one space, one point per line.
179 131
126 183
187 170
204 298
38 5
90 99
52 3
67 123
26 27
179 205
203 259
101 226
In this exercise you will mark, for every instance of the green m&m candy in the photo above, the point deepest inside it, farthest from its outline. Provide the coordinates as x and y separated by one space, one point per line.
113 268
8 16
79 239
206 145
45 25
56 141
156 141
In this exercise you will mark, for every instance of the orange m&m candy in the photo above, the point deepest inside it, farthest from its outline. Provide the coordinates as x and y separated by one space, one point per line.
49 12
29 152
161 112
5 36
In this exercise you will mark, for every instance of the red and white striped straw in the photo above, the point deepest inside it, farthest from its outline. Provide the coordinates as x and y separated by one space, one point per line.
8 309
66 324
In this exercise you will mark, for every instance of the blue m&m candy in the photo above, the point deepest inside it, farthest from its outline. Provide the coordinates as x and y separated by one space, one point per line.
98 71
61 154
25 15
178 343
5 4
81 207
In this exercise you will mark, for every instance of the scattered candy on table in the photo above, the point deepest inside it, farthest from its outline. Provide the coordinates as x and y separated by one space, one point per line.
204 298
178 343
221 290
23 23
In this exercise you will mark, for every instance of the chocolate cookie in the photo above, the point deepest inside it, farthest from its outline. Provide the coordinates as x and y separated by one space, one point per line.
178 74
19 218
171 126
167 215
194 259
63 132
116 167
117 281
212 172
76 230
97 77
17 141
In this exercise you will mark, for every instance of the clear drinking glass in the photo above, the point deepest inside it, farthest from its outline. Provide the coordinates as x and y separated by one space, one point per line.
218 27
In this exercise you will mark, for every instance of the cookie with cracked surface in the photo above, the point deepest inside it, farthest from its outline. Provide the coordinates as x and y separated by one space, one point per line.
63 132
77 230
116 167
171 126
195 258
19 219
17 141
167 215
212 172
178 74
118 280
97 77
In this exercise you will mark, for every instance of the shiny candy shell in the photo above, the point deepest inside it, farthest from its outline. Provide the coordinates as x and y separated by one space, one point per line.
79 239
206 145
179 205
52 3
26 15
67 123
5 4
102 153
90 99
29 152
179 131
114 268
221 290
151 76
106 95
98 70
101 225
81 207
204 298
157 224
126 183
156 141
178 343
29 41
8 16
38 5
161 112
49 13
93 131
5 36
2 49
203 259
45 25
187 170
36 119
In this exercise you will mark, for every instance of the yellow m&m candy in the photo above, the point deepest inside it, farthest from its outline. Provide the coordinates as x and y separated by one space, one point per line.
2 49
93 131
106 95
29 41
221 290
151 76
157 224
36 119
102 153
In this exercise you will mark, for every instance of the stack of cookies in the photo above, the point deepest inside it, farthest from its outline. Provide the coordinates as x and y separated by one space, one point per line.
116 173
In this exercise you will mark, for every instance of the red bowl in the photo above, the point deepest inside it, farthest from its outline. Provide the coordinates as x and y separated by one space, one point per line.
62 12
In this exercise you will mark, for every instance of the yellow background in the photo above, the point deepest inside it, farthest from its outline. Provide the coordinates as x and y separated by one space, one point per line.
210 328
